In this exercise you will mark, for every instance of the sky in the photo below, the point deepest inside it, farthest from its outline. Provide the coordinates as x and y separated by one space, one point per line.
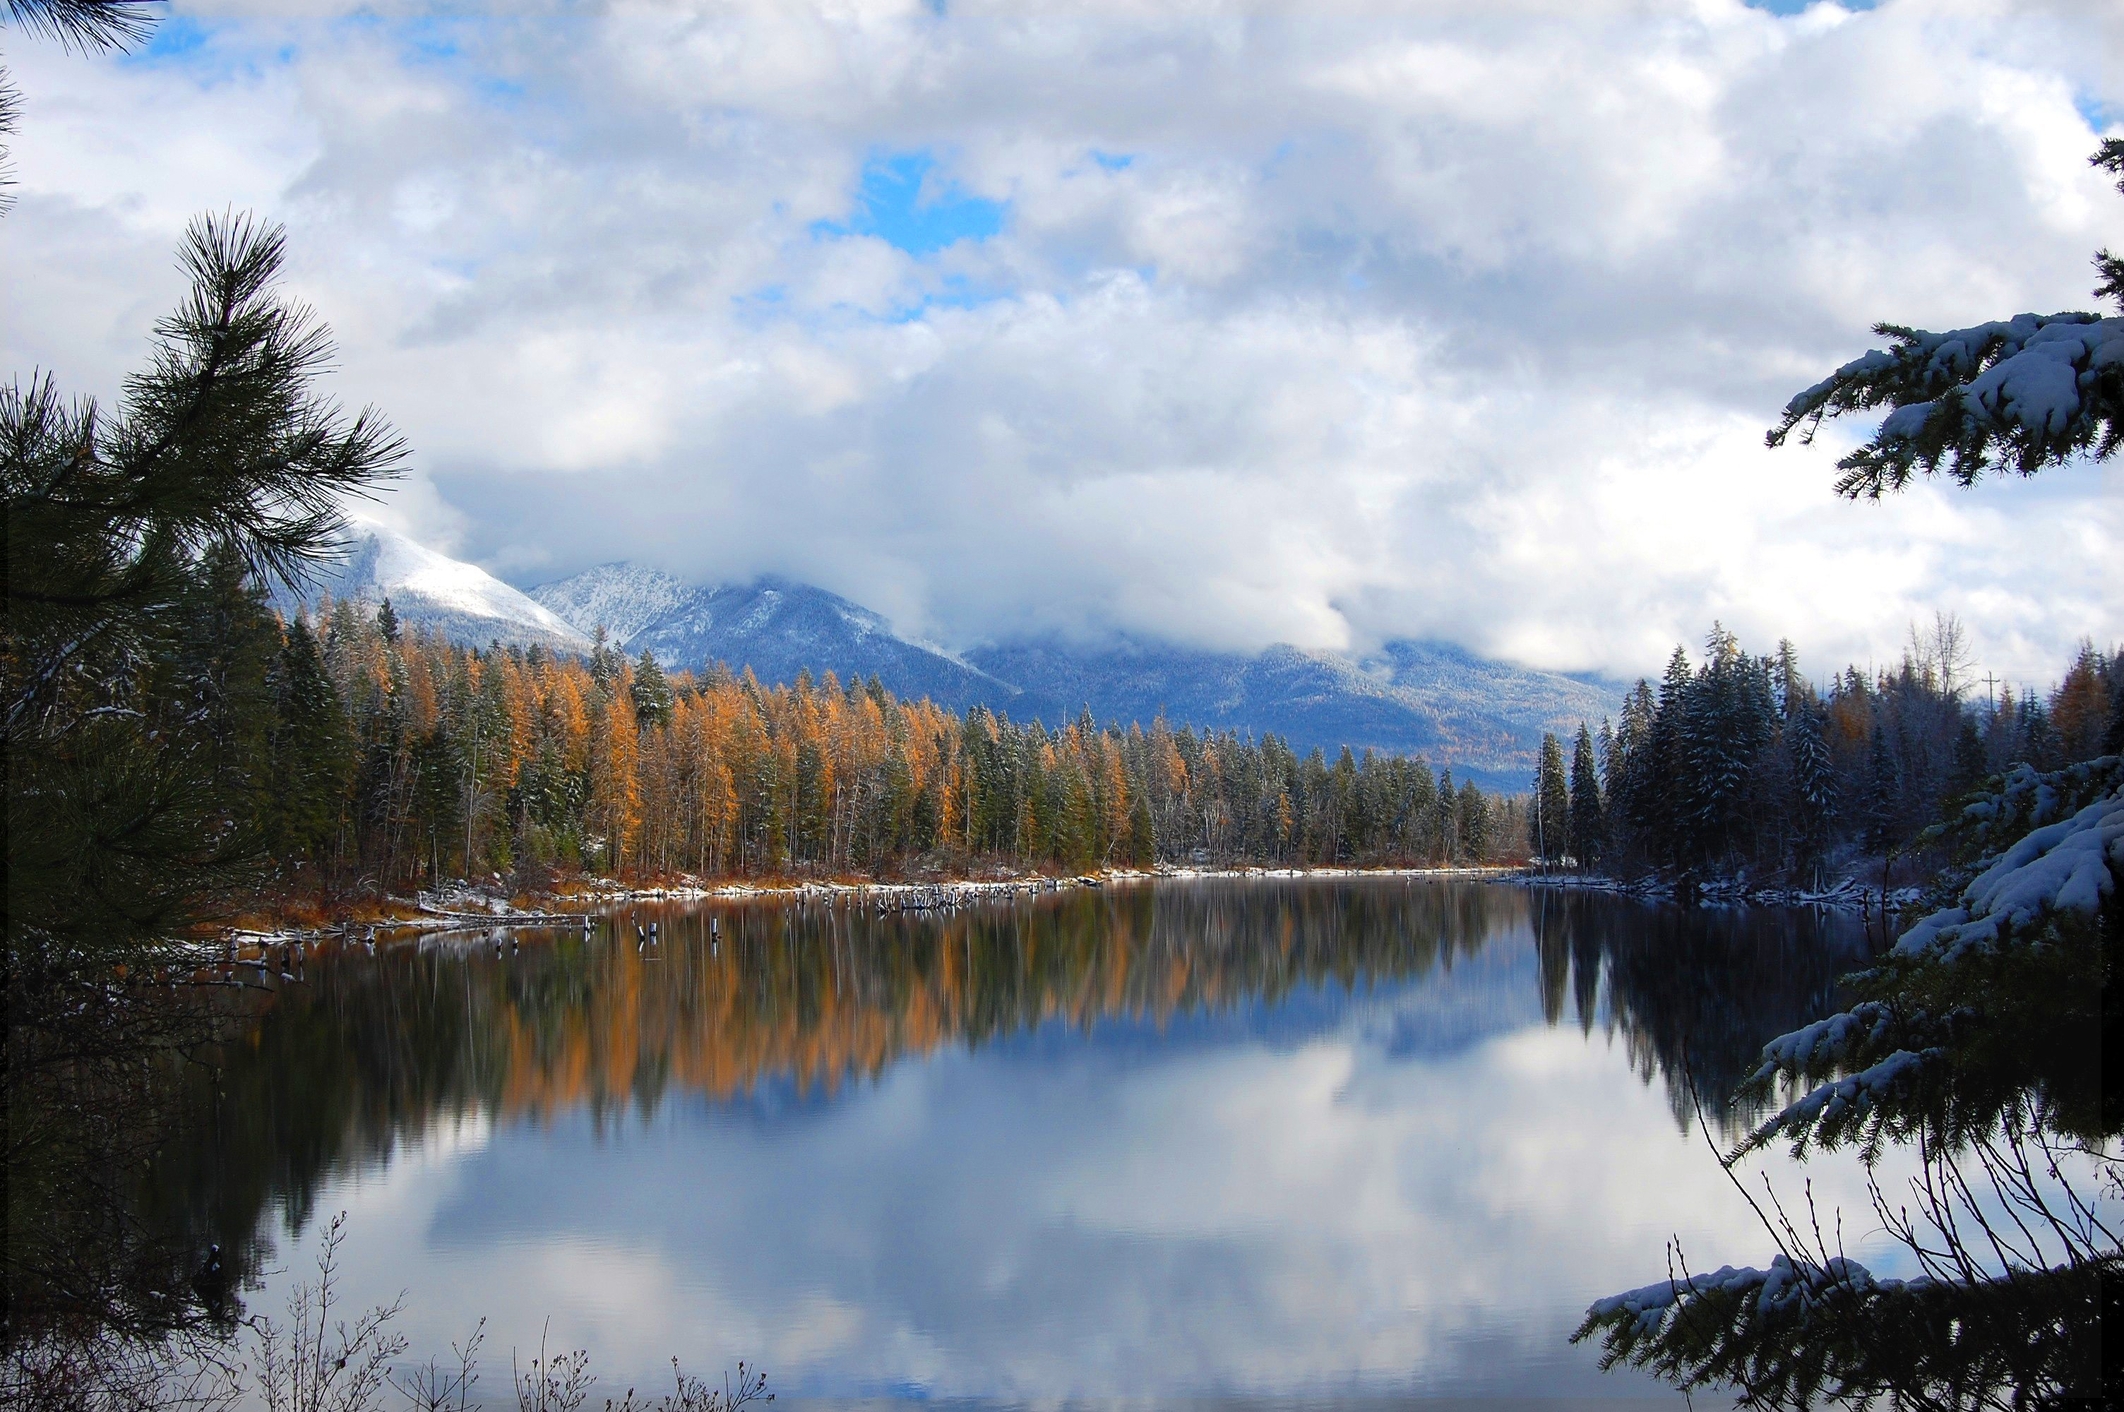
1225 324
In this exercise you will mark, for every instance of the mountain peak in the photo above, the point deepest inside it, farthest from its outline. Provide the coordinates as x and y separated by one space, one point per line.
621 598
774 625
464 601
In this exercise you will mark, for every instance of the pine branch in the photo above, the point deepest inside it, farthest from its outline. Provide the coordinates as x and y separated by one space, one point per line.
85 26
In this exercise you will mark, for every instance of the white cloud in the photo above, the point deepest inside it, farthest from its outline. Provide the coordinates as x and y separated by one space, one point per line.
1451 321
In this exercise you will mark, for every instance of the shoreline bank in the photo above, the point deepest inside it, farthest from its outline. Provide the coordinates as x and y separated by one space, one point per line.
468 906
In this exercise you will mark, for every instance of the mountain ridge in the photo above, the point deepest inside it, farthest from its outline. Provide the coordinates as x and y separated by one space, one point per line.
1482 717
775 626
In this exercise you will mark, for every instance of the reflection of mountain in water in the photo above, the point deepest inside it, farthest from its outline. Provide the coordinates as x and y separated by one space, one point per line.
785 1006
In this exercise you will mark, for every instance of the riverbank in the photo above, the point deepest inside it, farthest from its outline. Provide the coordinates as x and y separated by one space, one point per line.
465 905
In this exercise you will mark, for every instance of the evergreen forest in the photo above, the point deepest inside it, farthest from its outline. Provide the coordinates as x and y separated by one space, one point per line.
1740 765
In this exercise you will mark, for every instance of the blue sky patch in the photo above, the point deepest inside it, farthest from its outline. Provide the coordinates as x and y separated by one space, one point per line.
175 40
901 205
1794 7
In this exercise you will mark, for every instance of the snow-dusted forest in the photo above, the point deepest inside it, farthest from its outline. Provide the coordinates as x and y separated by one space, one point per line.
1742 764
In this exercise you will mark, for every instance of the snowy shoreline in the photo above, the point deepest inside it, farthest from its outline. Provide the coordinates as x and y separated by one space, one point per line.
468 907
1849 895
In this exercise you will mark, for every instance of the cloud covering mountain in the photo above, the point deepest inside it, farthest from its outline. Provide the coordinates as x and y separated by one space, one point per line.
773 626
1483 718
1225 325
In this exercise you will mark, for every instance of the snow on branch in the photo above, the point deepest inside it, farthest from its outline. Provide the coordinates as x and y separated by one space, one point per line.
2026 393
1788 1287
2067 866
1875 1065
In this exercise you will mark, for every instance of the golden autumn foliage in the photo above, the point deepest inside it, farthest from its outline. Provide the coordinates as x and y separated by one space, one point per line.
470 762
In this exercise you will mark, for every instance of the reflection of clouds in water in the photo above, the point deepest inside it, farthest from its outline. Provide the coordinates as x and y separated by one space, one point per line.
1060 1215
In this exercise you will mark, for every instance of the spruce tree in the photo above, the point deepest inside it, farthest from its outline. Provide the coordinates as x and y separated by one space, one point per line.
1814 784
2015 395
1588 832
1883 794
312 751
1552 802
1662 794
651 692
1472 823
1976 1040
1142 844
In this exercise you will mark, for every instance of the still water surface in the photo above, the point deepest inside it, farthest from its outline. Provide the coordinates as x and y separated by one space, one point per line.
1276 1142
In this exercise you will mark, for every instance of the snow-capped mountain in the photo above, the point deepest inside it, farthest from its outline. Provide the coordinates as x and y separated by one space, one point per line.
775 627
464 601
624 599
1484 718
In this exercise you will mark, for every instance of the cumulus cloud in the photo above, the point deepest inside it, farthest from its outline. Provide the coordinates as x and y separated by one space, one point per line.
1232 324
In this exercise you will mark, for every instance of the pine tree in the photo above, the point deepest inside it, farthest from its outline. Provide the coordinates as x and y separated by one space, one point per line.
651 692
312 751
221 446
1552 802
1588 829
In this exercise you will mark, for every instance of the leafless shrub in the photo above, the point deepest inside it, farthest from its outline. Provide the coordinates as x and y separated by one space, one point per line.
698 1395
317 1364
109 1372
555 1382
433 1387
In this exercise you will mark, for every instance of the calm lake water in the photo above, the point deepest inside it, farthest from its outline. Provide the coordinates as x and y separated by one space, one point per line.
1268 1142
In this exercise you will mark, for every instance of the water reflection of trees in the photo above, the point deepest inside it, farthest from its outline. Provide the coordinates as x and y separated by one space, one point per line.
1694 993
374 1052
